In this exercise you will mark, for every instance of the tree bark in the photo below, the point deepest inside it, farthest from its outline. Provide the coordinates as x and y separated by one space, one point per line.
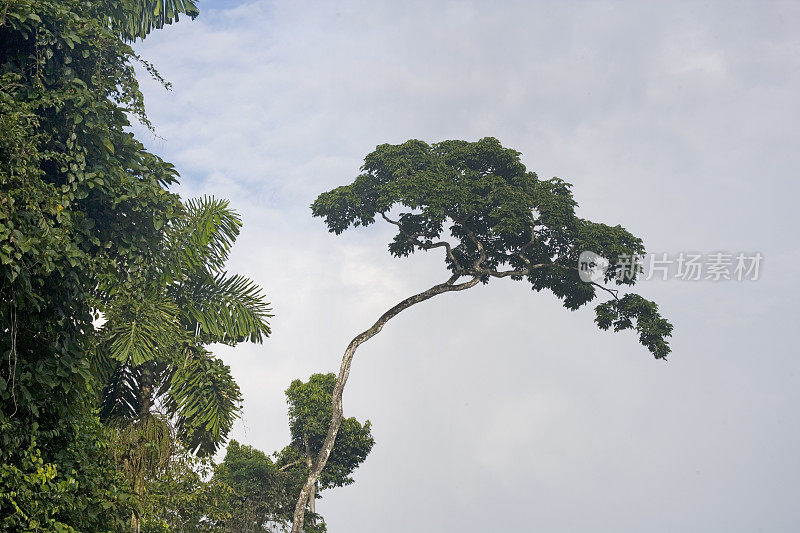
146 387
341 380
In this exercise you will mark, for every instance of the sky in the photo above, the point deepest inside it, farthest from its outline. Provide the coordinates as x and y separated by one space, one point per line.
496 409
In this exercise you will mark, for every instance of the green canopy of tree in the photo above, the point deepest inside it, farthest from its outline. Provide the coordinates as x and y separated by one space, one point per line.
493 219
309 421
265 490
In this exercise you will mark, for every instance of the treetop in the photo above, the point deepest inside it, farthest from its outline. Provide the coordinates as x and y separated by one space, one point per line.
494 218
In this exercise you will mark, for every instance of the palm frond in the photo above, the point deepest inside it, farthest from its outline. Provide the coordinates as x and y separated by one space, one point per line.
226 309
200 240
207 402
142 330
121 398
136 18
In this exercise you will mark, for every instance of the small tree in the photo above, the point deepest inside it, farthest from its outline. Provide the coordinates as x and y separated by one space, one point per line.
310 417
153 352
503 222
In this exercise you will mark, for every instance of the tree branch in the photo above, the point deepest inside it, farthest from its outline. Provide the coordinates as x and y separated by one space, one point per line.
612 292
284 467
481 252
521 252
425 245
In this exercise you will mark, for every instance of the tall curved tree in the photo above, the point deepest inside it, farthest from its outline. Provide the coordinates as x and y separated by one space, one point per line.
492 219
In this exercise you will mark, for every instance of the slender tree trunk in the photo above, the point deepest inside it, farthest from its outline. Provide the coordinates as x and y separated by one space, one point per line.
344 372
138 489
146 387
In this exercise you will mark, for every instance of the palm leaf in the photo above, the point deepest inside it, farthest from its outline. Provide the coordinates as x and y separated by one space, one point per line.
121 399
206 400
136 18
141 330
199 242
226 309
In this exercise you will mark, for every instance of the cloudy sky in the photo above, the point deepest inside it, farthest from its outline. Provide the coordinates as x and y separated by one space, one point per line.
496 409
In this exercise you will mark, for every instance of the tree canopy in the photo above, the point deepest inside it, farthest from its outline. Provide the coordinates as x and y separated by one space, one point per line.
309 421
502 221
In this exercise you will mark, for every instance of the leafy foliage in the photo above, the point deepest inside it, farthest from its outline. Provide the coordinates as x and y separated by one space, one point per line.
87 225
185 498
262 495
251 491
634 312
309 419
207 401
137 18
501 221
77 200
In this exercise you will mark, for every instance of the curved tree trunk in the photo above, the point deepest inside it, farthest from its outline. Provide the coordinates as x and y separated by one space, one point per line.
341 380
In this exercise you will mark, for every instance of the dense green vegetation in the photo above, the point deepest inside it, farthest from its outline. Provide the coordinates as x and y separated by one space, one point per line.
79 195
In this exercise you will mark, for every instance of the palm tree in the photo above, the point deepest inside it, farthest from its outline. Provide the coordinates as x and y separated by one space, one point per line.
162 388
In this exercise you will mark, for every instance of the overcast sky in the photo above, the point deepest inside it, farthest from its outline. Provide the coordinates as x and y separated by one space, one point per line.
496 409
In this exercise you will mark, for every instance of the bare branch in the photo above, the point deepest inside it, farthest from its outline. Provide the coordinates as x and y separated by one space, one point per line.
481 252
284 467
523 272
425 245
409 237
612 292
